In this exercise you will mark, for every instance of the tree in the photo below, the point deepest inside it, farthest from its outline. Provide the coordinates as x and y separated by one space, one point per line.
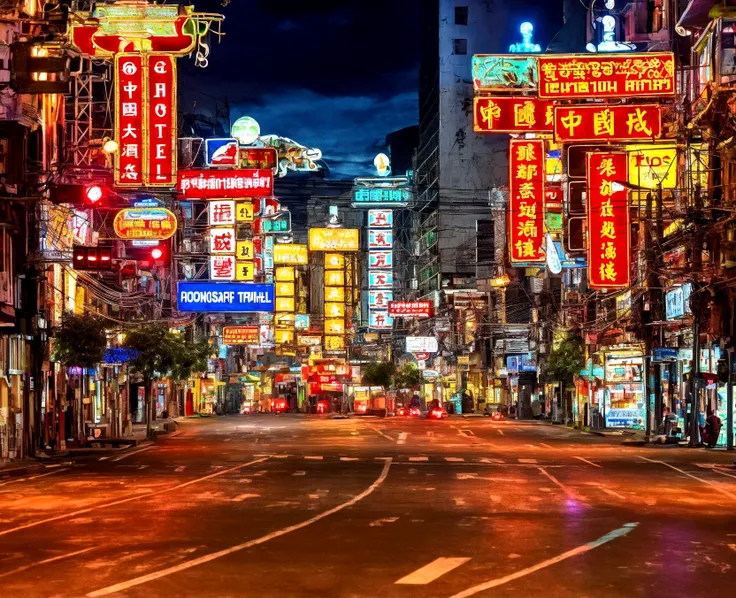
162 353
564 362
80 340
409 376
379 373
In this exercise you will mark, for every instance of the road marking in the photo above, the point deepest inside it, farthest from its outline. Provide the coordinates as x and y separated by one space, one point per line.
180 468
559 484
454 459
35 477
531 446
68 555
724 473
475 476
128 454
380 522
299 473
349 459
242 497
402 438
494 583
501 432
459 502
437 568
418 459
588 462
732 547
129 499
544 444
492 461
708 482
119 587
314 457
386 436
528 461
103 458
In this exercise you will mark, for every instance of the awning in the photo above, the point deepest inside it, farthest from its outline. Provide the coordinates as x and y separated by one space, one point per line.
698 14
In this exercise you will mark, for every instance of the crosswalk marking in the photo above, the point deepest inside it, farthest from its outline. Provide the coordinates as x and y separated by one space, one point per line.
418 459
454 459
527 461
349 459
314 457
437 568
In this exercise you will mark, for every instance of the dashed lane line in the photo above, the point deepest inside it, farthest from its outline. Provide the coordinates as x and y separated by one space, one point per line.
418 459
129 499
386 436
494 583
68 555
714 485
545 445
437 568
135 452
588 462
34 477
349 459
119 587
314 457
402 438
454 459
559 484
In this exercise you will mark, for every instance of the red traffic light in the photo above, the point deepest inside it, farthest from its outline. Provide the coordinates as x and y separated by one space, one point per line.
157 253
93 193
92 258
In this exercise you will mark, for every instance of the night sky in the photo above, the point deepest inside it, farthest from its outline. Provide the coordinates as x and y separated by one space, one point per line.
337 75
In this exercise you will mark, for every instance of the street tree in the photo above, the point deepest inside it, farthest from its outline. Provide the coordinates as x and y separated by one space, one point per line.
564 363
80 340
409 376
379 373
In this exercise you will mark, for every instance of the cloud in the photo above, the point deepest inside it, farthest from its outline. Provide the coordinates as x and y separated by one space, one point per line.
349 130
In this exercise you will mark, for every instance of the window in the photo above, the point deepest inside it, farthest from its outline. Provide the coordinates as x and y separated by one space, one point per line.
460 46
461 15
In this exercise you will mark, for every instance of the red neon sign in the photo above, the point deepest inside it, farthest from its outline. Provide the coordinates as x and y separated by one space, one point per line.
161 121
621 76
526 200
609 260
224 184
608 123
410 309
512 115
129 81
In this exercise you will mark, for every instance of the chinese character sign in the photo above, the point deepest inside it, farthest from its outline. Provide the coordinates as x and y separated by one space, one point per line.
607 123
161 121
129 78
608 221
526 200
221 212
507 114
380 218
620 76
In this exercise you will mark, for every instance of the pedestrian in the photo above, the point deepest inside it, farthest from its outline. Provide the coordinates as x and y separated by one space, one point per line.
711 430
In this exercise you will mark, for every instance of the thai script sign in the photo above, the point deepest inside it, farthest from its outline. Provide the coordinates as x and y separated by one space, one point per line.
213 184
144 223
563 77
410 309
240 335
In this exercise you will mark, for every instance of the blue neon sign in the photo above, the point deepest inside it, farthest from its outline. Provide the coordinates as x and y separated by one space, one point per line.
240 297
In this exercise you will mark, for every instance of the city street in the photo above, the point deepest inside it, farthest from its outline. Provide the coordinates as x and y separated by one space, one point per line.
304 506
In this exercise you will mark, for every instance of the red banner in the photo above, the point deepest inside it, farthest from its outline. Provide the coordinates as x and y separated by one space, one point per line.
608 123
161 122
224 184
564 77
512 115
526 200
410 309
608 221
129 130
240 335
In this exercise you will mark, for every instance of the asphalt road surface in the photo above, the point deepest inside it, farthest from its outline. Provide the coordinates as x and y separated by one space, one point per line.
301 506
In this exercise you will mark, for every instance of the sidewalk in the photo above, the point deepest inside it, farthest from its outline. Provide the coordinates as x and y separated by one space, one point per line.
19 467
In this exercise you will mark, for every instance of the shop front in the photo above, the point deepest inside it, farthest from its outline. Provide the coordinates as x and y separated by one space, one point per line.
623 391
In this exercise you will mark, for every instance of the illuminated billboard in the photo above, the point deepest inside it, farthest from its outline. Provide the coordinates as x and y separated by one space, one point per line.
631 122
526 200
512 114
334 239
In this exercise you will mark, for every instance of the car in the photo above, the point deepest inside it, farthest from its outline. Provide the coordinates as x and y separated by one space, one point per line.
497 416
437 413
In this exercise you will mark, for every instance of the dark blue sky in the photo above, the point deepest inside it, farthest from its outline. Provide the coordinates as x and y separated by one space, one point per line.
338 75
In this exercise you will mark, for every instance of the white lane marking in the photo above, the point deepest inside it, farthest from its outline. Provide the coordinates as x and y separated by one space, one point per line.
685 473
119 587
299 473
468 432
68 555
103 458
180 468
494 583
475 476
35 477
380 522
531 446
386 436
454 459
501 432
129 499
418 459
544 444
559 484
724 473
314 457
489 460
242 497
528 461
588 462
610 492
281 456
349 459
402 438
732 547
128 454
437 568
459 502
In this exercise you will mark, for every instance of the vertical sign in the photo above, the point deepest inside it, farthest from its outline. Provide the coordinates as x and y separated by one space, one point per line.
380 261
608 221
161 120
526 200
129 94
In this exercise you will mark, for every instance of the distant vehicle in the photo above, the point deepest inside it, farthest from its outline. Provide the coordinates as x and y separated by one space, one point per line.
497 416
414 412
437 413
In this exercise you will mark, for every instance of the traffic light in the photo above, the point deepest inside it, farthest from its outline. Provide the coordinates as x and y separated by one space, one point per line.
39 67
89 194
92 258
